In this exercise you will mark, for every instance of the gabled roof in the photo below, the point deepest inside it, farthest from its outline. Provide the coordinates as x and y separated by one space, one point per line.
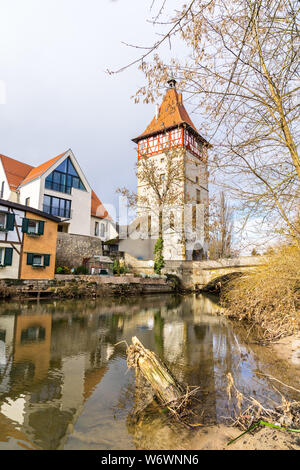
97 208
171 113
39 170
15 171
18 173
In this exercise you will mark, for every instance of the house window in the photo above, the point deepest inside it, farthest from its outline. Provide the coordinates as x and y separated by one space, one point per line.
162 178
64 178
2 221
57 206
33 227
198 196
197 179
6 255
27 201
102 230
194 219
2 189
7 221
37 260
149 225
172 220
96 229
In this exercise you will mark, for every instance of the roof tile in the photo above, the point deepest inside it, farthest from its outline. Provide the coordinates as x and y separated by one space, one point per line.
97 208
15 171
39 170
171 113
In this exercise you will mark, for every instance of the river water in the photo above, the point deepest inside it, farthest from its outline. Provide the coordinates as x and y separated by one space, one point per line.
64 381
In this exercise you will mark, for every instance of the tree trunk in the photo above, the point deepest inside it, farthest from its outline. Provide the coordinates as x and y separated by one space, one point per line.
164 385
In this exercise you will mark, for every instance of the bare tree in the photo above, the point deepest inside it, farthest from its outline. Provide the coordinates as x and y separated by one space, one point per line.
160 188
220 228
241 72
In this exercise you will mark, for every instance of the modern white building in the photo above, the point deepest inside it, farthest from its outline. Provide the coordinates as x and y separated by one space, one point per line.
57 187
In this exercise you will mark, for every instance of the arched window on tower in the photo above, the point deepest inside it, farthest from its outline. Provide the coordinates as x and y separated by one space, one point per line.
172 220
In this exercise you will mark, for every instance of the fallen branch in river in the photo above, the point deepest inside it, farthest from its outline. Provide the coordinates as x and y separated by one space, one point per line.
170 394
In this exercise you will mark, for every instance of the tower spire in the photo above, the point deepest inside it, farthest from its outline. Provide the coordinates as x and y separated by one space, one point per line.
171 81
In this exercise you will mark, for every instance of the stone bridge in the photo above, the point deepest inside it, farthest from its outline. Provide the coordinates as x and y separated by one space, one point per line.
198 274
206 274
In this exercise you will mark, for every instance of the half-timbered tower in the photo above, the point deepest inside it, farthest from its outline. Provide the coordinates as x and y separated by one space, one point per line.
179 152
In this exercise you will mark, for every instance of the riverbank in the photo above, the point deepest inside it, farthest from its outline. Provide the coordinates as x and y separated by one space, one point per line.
217 438
72 287
289 349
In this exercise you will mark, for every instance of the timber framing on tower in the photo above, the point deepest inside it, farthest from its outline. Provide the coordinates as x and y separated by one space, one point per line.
170 128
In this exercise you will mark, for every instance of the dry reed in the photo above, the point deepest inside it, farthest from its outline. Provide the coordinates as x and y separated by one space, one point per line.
268 297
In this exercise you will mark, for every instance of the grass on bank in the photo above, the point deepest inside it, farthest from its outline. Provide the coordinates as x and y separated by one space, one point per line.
268 297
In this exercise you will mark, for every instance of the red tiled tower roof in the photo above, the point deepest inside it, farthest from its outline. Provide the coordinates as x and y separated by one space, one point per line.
171 113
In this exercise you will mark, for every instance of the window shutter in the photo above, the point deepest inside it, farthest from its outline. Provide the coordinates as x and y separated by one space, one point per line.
25 223
30 258
10 221
8 256
46 260
41 227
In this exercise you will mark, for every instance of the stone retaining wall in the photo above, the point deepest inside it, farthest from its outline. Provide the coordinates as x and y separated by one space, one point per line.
88 286
72 249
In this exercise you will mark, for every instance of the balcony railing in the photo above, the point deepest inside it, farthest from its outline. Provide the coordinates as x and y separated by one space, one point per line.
64 213
61 188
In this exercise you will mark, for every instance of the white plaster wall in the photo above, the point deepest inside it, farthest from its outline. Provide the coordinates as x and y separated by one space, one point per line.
11 272
110 231
11 235
32 190
80 222
7 191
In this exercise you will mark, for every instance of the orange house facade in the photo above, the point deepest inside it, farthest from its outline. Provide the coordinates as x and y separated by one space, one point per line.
39 246
28 240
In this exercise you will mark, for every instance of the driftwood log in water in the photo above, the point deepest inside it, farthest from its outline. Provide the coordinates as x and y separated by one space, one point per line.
169 392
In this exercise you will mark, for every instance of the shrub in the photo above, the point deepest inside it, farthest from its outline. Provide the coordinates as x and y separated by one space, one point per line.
119 268
81 270
159 261
268 297
63 270
174 281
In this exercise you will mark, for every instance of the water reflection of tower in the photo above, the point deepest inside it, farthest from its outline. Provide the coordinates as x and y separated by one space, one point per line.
189 348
